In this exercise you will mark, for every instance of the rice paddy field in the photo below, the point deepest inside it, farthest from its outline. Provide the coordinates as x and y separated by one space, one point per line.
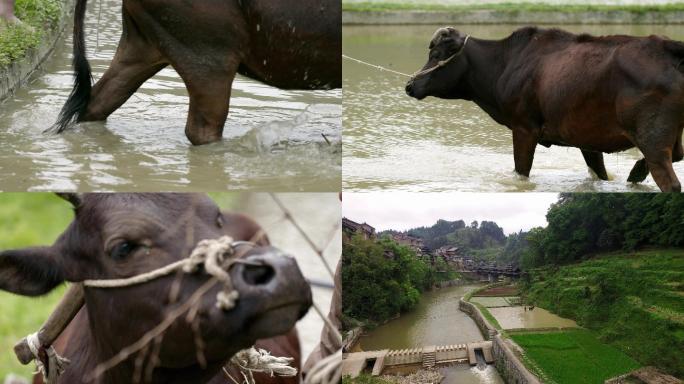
572 357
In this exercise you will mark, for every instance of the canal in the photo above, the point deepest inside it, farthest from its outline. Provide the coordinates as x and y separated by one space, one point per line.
273 139
436 320
395 142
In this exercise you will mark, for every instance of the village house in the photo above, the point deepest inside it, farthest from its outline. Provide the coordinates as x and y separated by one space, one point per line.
351 228
415 243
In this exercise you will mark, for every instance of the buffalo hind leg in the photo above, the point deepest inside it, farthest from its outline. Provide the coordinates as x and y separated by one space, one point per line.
135 61
656 143
524 145
638 172
594 161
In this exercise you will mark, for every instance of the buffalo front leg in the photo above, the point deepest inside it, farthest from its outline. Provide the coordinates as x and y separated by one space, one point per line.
638 172
656 145
524 145
594 161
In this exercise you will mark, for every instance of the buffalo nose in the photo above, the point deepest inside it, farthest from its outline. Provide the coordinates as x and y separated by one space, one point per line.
409 88
257 274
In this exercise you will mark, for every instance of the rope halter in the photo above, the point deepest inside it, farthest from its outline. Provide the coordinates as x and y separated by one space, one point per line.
217 255
441 63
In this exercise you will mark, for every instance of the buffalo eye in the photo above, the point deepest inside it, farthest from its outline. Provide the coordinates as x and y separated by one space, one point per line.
122 250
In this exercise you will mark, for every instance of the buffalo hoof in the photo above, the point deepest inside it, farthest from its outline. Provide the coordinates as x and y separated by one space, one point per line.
638 172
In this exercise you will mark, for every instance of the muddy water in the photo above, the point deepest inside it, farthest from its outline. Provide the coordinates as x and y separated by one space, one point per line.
517 317
272 139
393 141
436 320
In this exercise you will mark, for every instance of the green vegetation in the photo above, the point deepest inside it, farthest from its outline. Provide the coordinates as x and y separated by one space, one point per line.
27 220
31 219
634 301
583 224
364 378
38 18
573 357
381 279
509 7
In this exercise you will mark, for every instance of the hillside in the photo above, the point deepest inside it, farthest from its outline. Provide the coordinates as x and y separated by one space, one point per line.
634 301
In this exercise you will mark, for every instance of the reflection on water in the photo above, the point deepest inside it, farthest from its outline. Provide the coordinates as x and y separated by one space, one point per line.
273 139
436 320
518 317
394 141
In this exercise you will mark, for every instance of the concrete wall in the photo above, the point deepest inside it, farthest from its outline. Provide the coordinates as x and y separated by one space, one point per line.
487 330
510 17
509 366
18 72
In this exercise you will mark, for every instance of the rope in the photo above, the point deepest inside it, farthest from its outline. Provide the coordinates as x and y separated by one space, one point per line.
55 365
439 64
252 360
327 370
212 253
375 66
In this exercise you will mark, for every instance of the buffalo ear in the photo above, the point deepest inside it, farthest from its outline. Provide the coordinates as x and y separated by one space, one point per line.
30 271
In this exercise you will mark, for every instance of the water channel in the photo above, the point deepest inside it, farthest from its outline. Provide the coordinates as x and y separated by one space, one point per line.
436 320
273 139
394 141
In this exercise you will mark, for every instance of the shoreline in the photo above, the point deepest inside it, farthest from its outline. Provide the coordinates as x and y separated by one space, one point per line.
19 71
365 13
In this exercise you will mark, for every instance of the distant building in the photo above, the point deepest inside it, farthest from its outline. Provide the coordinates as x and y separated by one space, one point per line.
415 243
351 228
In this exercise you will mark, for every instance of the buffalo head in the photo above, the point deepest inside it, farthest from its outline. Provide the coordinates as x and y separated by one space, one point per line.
121 235
444 69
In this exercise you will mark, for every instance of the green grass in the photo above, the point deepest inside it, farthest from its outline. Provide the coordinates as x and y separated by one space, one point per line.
509 7
633 301
487 315
33 219
38 18
364 378
574 357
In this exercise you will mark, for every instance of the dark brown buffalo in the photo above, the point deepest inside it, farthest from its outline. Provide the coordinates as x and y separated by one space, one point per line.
291 44
551 87
121 235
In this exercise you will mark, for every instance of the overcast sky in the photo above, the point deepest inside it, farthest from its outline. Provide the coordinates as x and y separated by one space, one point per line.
403 210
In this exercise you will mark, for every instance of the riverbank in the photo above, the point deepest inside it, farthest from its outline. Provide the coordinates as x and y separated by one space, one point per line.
25 46
405 12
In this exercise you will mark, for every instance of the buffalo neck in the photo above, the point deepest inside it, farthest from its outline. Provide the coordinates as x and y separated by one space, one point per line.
85 351
487 61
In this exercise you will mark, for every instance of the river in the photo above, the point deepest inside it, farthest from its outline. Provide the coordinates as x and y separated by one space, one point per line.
273 139
392 141
436 320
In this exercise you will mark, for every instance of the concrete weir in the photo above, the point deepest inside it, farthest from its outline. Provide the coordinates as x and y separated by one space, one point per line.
427 357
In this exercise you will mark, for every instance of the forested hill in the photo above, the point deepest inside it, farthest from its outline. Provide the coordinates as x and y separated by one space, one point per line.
486 234
583 224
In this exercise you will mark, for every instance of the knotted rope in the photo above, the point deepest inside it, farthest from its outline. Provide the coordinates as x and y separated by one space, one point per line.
55 364
214 254
252 360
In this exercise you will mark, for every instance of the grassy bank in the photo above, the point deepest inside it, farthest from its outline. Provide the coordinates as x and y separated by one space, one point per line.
508 7
633 301
573 357
38 18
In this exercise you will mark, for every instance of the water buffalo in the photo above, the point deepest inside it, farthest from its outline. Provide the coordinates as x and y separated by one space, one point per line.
291 44
551 87
122 235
